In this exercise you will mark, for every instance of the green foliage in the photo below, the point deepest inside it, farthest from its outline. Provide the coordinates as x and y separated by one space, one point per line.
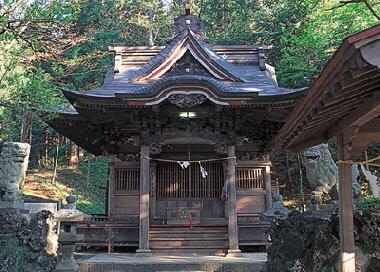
107 23
368 202
88 182
47 46
228 22
20 254
91 193
305 34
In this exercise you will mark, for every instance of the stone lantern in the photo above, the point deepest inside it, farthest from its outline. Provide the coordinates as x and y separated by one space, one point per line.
277 210
68 237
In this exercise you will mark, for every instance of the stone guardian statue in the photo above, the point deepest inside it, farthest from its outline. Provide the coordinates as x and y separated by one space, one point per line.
14 158
322 173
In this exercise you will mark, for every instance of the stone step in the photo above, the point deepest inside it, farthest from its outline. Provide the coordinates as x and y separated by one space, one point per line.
188 235
189 239
190 252
187 229
202 240
186 271
181 244
251 262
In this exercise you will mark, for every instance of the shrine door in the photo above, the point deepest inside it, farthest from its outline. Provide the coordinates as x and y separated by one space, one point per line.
179 190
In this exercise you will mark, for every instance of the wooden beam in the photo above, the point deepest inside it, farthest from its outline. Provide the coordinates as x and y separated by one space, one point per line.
362 115
331 73
233 249
372 126
346 222
144 250
349 100
323 119
305 143
332 109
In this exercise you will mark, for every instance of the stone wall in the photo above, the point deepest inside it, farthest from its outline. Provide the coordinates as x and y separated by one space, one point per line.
27 242
307 243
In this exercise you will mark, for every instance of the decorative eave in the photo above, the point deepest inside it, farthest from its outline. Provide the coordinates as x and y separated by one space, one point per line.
186 41
78 129
347 88
215 91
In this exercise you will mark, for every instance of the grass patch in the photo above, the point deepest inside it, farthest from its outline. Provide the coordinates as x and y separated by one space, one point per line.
88 182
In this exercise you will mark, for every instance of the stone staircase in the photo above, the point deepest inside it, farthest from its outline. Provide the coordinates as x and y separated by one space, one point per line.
182 240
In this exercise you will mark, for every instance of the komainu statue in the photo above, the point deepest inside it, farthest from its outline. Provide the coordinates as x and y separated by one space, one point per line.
14 159
322 172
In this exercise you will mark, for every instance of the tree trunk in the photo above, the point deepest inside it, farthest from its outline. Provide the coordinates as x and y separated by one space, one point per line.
150 31
302 195
72 155
56 160
290 179
88 175
26 128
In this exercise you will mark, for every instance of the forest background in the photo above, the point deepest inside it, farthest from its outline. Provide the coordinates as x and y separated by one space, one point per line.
49 45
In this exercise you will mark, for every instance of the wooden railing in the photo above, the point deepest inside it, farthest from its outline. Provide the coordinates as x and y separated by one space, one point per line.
249 178
127 179
175 182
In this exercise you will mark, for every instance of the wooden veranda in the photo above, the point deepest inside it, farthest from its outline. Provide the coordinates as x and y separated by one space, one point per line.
343 103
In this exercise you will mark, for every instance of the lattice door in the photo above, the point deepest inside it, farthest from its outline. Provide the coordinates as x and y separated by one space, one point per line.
175 182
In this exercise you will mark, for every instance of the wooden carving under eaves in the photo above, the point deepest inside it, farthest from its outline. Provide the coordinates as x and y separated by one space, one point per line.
187 100
250 156
188 65
129 157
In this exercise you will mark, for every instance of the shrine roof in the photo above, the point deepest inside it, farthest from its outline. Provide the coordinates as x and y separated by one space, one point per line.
260 85
188 58
344 99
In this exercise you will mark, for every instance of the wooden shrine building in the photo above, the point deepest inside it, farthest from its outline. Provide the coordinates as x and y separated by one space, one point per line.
343 103
189 126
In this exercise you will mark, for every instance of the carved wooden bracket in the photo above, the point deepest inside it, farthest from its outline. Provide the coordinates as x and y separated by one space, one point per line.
187 100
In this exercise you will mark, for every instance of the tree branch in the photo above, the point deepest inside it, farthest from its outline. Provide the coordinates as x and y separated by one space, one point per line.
365 2
371 9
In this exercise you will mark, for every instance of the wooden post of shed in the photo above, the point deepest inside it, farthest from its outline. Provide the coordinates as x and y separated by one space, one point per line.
346 222
144 250
233 250
268 188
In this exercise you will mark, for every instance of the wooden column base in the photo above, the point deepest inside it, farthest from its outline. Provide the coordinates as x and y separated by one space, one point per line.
348 262
143 253
233 253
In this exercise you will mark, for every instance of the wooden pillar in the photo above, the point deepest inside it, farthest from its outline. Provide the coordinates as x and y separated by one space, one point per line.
144 203
153 200
233 250
111 189
268 188
346 222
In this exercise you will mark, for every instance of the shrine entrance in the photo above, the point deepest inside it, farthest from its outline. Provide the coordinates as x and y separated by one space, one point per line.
189 188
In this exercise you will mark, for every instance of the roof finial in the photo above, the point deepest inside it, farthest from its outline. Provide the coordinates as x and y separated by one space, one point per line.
187 7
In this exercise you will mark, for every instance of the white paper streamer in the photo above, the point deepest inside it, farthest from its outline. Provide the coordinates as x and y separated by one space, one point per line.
184 164
203 171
